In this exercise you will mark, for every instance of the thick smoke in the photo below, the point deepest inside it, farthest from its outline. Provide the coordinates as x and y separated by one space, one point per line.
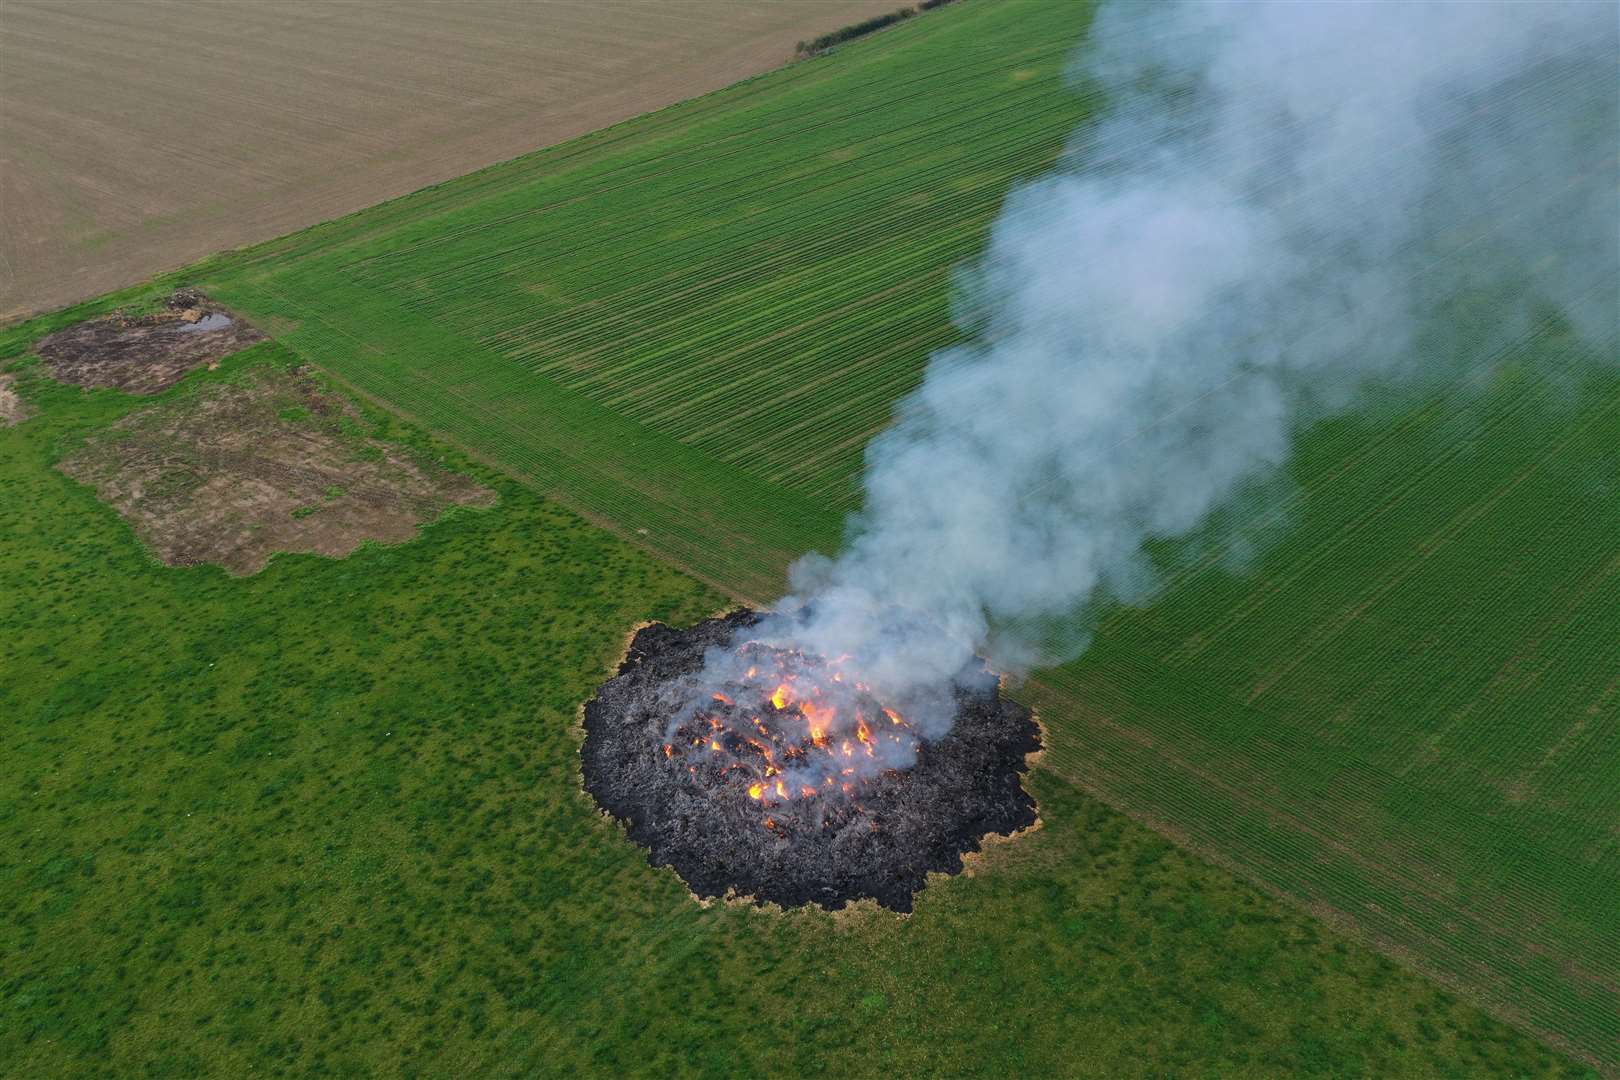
1282 206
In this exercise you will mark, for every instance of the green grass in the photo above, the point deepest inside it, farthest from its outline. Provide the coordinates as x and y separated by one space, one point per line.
326 821
1397 709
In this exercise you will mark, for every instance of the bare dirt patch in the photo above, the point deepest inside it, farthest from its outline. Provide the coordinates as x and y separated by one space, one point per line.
143 354
275 462
13 409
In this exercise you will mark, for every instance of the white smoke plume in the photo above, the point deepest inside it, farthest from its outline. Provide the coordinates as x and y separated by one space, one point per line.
1282 205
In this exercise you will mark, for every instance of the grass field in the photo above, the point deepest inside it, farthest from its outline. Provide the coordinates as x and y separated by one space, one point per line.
1400 712
142 134
326 821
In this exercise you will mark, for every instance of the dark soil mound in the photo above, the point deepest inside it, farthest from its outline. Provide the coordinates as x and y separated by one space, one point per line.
143 354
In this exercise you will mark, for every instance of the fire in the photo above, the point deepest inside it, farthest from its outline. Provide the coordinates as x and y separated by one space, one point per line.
792 729
818 719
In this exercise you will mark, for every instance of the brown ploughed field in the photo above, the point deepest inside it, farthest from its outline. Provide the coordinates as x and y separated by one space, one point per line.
137 136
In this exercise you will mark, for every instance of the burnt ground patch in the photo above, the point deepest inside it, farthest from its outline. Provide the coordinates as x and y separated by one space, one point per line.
146 353
882 843
273 461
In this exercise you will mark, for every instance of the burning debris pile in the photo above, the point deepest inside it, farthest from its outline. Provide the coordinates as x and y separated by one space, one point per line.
790 783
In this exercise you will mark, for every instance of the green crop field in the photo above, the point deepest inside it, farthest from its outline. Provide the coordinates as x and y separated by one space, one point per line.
1400 709
327 821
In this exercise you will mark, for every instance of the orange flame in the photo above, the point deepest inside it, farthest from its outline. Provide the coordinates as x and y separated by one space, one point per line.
817 717
762 758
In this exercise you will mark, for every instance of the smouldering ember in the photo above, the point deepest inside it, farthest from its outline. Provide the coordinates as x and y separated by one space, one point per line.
784 727
784 779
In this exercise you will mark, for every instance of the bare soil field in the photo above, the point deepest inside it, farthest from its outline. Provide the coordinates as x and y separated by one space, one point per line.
139 135
241 470
143 354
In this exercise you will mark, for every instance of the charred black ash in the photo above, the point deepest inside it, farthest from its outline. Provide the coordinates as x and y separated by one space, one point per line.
701 808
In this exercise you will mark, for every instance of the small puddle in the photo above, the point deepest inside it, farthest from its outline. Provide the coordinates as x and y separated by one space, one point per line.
212 321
